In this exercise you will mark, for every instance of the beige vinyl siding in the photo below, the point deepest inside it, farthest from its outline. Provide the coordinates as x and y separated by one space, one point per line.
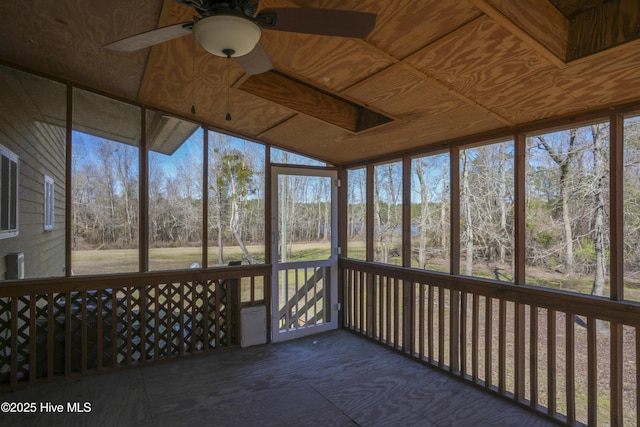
32 118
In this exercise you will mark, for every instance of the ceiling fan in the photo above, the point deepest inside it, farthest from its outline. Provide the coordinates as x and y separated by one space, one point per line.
232 29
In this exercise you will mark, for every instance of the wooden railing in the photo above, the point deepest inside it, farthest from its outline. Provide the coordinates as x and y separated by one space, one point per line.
575 358
65 326
305 305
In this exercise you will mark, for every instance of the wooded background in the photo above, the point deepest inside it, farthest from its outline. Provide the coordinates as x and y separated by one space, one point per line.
567 206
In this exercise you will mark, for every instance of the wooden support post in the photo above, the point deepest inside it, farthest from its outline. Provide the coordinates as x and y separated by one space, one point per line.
637 402
454 331
502 346
421 320
68 200
454 163
616 190
519 275
571 368
592 372
488 342
533 357
143 216
32 341
343 204
371 312
430 336
441 329
616 202
408 296
205 197
369 213
519 351
475 336
551 363
268 233
464 305
616 372
406 212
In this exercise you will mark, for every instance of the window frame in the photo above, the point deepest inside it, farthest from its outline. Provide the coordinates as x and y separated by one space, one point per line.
9 193
49 202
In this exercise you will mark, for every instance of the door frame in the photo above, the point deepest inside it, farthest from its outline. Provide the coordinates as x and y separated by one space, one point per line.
331 306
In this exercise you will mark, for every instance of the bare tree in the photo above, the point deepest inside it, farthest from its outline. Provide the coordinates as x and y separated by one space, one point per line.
444 212
420 171
564 160
465 203
235 179
599 170
387 207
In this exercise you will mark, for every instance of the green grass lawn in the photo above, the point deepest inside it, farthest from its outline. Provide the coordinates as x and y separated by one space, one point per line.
126 261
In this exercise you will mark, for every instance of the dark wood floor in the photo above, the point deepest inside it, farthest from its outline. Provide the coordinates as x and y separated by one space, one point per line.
331 379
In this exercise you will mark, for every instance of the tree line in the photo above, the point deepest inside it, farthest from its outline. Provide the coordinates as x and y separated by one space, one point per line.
105 193
567 208
567 203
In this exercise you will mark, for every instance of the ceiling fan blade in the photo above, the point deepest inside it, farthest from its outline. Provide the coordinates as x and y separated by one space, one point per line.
150 38
328 22
255 62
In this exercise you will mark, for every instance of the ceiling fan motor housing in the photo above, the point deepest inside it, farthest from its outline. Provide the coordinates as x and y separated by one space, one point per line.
222 33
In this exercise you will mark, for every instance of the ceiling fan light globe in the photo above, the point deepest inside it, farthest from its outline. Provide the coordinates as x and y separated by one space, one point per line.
218 33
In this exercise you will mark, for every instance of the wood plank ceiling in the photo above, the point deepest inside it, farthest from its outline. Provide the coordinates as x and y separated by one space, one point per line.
430 72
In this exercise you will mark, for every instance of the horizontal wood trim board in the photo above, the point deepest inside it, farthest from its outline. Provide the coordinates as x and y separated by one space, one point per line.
16 288
548 125
303 98
583 305
544 28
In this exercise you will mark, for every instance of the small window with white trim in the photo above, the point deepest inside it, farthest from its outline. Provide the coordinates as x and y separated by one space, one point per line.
8 193
48 203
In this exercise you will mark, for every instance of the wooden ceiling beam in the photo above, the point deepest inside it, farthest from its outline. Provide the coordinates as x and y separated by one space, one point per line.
536 22
306 99
602 27
570 8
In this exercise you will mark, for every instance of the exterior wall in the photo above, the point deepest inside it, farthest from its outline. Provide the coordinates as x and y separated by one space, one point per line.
32 119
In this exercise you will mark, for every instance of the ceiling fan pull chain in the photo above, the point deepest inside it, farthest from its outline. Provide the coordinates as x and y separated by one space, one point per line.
228 52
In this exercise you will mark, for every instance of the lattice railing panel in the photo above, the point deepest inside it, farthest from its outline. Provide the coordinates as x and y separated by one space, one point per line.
22 335
107 324
5 339
150 332
199 303
173 310
223 317
76 303
78 329
90 335
41 309
135 330
59 304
